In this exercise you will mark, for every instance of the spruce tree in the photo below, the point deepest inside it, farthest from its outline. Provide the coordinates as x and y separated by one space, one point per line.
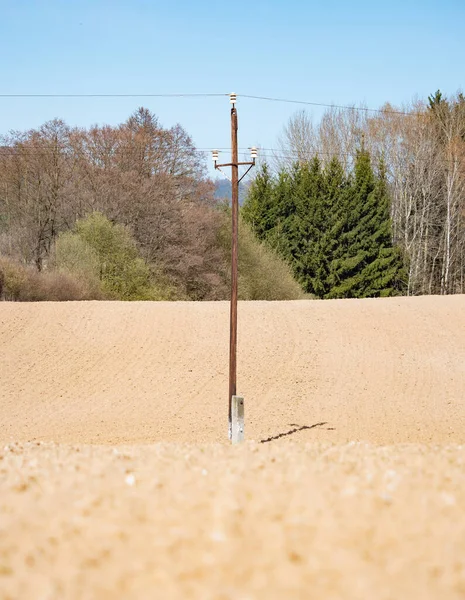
309 227
335 189
364 262
282 209
258 210
334 230
297 215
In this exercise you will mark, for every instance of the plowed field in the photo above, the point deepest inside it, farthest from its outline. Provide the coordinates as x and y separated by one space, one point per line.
117 479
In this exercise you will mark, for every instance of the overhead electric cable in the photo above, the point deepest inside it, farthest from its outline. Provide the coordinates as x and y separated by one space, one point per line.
109 95
361 108
206 95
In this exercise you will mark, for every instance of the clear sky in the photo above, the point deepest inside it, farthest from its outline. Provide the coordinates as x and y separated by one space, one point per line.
331 51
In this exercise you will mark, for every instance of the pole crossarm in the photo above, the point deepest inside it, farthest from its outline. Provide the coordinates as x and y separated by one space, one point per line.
239 164
250 164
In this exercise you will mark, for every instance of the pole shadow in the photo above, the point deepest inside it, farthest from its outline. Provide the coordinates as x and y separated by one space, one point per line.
292 431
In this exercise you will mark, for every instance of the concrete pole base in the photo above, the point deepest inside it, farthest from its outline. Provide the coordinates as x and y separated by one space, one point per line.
236 427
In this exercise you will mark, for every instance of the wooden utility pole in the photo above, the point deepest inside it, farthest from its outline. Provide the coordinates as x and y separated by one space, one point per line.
234 258
234 164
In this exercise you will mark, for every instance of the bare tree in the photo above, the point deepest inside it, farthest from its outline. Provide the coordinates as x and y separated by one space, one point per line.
298 141
36 170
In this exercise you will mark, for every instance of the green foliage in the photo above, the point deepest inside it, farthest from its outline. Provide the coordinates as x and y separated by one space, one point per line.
333 230
100 249
364 263
436 99
75 256
258 204
263 275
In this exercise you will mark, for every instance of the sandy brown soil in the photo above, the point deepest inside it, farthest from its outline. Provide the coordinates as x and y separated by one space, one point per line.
116 480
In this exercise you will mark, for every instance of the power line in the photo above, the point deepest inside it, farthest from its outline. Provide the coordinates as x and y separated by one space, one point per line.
305 102
267 153
110 95
206 95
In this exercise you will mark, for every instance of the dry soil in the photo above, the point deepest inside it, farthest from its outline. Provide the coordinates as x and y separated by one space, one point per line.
117 481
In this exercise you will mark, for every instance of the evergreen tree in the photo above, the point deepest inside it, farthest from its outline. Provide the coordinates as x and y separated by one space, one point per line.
282 209
333 230
258 209
364 263
335 189
309 226
436 100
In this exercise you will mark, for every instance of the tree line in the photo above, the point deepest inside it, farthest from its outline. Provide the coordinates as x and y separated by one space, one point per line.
356 205
418 152
131 201
333 228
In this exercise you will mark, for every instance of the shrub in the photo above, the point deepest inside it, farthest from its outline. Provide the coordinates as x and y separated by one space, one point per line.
14 277
75 257
25 284
100 251
59 286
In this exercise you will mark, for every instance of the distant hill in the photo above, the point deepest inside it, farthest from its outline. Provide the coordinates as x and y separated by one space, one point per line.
223 190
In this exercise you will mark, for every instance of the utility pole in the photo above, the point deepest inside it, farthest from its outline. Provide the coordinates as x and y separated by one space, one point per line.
234 164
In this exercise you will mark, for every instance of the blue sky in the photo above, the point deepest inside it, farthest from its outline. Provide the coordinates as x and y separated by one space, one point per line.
331 52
